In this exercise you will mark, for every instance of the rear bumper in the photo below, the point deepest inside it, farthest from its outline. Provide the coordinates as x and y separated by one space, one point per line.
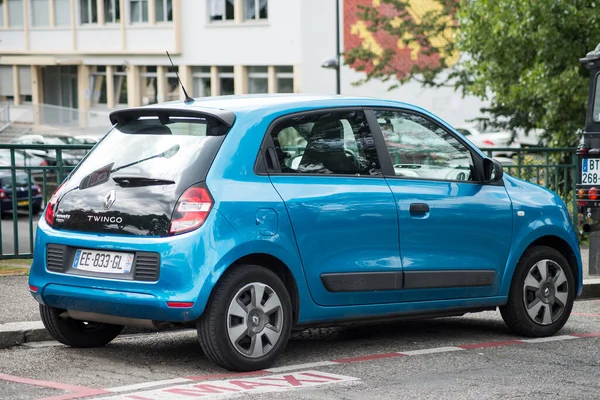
186 274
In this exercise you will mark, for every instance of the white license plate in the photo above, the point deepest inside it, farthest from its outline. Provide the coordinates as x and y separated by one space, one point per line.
590 171
103 261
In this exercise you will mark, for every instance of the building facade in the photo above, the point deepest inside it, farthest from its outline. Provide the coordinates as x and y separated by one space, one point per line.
98 55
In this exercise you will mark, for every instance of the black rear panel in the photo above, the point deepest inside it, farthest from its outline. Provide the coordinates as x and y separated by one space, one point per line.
130 182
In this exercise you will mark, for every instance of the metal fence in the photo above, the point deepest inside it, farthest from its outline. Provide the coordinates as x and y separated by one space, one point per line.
554 168
42 175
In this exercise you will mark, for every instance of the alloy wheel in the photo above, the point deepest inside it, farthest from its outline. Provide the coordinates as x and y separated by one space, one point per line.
255 320
545 292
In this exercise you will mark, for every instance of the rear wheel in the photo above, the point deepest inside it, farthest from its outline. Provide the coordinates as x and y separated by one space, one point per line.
76 333
247 321
541 294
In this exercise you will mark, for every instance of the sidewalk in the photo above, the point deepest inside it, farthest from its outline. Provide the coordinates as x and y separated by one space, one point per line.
20 322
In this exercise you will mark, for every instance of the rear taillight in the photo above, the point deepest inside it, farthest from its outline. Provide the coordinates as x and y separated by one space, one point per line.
44 163
191 210
2 194
51 207
488 142
36 190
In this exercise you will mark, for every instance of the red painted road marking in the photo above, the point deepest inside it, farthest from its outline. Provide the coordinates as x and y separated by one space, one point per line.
78 391
582 314
369 357
490 344
587 335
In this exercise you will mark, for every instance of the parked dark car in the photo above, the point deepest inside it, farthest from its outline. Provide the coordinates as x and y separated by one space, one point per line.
69 157
22 184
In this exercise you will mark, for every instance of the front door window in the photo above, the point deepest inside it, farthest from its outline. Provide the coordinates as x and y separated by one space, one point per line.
423 150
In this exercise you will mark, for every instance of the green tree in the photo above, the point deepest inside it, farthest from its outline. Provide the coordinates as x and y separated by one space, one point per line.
521 56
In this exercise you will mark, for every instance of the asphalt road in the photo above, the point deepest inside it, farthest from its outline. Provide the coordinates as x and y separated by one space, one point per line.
469 357
8 242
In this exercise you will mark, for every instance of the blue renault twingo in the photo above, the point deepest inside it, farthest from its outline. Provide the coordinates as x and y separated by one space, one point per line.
248 217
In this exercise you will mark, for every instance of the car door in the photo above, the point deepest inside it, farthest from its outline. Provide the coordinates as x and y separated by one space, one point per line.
325 167
455 231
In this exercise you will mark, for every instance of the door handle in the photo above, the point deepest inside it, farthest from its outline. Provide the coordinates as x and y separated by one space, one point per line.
419 208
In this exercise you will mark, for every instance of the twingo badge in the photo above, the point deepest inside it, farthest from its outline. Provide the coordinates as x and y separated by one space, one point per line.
97 177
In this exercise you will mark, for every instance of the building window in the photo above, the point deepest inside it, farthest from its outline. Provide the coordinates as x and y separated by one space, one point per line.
258 80
112 11
222 10
2 13
255 9
7 90
139 11
98 86
201 82
40 13
226 82
284 79
15 13
173 89
148 85
120 82
62 12
88 11
25 84
164 10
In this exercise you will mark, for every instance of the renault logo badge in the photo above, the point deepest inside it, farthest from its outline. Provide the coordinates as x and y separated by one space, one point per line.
110 199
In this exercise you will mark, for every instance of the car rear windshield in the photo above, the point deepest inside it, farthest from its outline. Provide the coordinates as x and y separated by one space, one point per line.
180 149
21 180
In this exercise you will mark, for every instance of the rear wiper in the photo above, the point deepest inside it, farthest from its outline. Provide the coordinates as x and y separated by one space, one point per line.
137 181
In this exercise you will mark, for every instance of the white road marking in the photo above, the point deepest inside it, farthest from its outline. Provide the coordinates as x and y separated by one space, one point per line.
433 350
301 366
146 385
549 339
237 386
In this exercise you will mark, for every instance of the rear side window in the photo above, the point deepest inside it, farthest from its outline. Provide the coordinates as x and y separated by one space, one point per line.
179 150
337 143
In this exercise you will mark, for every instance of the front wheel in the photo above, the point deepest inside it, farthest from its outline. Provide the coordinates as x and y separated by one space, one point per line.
247 321
541 295
76 333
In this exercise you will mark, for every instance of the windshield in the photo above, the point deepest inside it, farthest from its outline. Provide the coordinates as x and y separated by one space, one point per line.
148 149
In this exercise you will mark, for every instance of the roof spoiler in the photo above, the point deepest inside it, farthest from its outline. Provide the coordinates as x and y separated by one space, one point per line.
214 116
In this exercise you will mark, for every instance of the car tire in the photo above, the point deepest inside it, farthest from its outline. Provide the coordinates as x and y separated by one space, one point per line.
77 333
240 332
541 294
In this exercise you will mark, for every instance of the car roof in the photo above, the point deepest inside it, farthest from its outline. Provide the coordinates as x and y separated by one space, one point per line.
272 103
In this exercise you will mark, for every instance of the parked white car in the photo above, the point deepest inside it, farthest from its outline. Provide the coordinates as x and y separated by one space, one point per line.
499 139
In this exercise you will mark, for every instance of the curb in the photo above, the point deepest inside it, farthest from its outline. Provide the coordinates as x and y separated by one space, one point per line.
18 333
591 289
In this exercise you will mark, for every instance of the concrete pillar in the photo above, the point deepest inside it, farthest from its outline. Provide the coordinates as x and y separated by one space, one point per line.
238 11
84 93
52 13
133 86
74 23
37 93
185 74
161 83
100 9
151 12
272 81
240 80
110 86
16 89
297 79
214 81
25 23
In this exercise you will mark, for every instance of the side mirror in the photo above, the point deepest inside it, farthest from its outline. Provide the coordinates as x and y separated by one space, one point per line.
492 170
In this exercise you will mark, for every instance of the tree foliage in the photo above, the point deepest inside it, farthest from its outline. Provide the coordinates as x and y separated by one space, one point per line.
520 56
